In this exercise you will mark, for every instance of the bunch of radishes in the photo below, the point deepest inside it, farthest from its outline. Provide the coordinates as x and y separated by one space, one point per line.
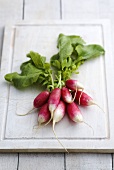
53 105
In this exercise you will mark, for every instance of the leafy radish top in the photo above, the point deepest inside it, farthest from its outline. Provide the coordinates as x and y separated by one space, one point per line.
72 52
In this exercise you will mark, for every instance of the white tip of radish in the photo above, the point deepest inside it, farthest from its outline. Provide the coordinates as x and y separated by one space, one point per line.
52 107
79 85
69 99
78 118
41 119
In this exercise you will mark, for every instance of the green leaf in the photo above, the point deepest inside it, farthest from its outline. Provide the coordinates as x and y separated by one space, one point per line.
9 77
28 76
76 40
65 47
24 64
66 44
28 68
37 59
66 62
55 61
20 81
89 51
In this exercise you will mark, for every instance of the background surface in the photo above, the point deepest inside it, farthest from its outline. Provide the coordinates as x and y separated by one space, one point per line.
17 10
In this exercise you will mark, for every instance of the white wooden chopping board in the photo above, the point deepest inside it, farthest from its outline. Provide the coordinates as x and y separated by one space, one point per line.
16 132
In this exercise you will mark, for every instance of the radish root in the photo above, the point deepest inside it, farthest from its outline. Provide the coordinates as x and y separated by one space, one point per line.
74 95
30 111
57 138
94 103
49 119
89 126
81 95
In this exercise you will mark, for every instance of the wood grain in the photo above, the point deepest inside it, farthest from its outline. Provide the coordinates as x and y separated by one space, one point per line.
87 161
41 161
104 12
20 129
83 9
8 161
46 9
10 11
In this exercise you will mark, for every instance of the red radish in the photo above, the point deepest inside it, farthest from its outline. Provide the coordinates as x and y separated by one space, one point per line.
53 101
57 116
74 85
66 95
75 114
39 101
85 100
43 115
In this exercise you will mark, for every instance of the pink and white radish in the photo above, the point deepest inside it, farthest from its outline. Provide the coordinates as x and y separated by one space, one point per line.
84 99
75 114
43 116
53 101
66 95
74 85
41 99
58 114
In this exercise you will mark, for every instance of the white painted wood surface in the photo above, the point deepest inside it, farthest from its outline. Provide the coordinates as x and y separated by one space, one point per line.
88 161
18 41
8 161
41 161
104 10
9 11
46 9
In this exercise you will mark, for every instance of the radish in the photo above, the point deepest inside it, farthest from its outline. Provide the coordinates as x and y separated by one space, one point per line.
75 114
39 101
43 115
85 100
57 116
74 85
53 101
66 95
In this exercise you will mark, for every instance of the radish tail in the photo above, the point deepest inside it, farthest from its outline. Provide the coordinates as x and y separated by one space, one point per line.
30 111
80 95
89 126
74 95
58 139
49 120
37 126
94 103
99 107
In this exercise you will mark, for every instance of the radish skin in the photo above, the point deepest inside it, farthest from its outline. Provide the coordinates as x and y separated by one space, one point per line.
41 99
74 85
53 101
57 116
66 95
43 116
84 99
75 114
